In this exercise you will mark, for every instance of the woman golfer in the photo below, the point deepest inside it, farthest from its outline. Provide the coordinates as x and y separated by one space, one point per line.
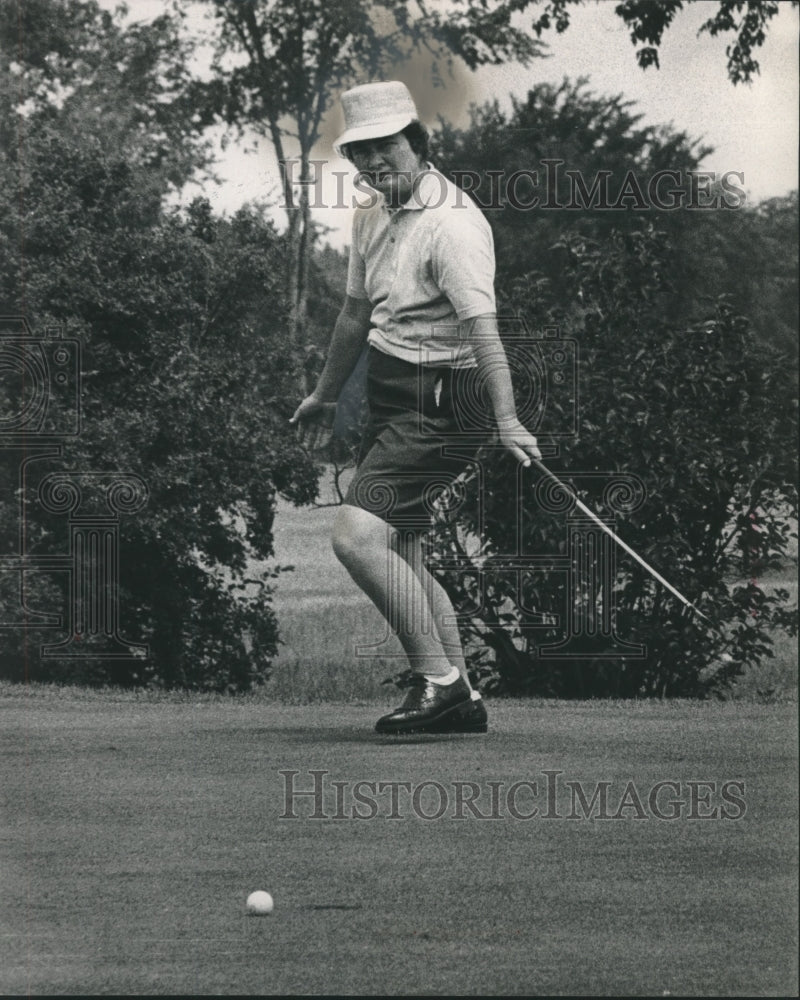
421 267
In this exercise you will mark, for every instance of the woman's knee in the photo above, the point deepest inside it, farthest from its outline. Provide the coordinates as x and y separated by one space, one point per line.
356 532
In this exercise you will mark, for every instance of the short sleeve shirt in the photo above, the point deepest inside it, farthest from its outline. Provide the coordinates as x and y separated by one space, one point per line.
425 267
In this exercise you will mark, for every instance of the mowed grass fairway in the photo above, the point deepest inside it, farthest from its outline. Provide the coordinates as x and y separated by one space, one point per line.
135 828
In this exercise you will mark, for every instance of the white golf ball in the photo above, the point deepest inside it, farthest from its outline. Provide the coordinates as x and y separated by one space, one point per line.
259 902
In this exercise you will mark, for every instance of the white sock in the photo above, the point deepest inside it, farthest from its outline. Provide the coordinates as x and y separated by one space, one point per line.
448 678
476 695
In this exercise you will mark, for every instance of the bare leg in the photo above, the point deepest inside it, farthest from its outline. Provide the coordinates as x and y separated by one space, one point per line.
444 615
369 548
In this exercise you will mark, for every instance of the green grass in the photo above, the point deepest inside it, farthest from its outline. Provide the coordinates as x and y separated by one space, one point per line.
323 617
135 825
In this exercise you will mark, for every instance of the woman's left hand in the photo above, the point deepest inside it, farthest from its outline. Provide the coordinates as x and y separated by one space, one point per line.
519 441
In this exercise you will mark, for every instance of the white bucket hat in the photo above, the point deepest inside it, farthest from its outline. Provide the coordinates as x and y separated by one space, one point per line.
375 110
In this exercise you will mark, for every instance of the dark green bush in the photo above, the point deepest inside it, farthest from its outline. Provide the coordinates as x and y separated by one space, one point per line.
187 375
676 387
705 417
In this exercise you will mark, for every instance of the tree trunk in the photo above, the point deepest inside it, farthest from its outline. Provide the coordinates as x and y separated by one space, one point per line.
297 243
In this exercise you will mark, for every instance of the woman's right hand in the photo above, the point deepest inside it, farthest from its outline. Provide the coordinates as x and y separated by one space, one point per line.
314 421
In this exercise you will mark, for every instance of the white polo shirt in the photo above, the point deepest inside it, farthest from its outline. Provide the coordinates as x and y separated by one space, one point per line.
425 267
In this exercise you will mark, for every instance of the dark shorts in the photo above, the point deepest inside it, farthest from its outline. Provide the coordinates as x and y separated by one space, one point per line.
413 447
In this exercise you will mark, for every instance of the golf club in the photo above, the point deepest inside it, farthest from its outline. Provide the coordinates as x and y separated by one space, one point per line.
604 527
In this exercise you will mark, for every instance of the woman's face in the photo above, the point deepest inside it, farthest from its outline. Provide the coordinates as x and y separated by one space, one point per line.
389 165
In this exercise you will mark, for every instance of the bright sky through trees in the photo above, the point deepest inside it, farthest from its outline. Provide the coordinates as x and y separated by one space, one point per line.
753 128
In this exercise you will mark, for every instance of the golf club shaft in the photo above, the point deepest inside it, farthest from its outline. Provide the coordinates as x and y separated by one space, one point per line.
604 527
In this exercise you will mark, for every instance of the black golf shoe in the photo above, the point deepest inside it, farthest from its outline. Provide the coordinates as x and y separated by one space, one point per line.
426 706
471 718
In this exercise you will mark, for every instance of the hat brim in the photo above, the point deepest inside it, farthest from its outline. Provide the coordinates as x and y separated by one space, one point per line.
376 130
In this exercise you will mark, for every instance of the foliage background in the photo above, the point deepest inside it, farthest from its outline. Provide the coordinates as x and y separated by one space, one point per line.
675 385
181 317
686 321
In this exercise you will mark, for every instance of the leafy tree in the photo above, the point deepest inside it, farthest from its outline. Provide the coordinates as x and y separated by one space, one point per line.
600 169
674 386
179 316
753 257
56 53
299 54
707 423
647 21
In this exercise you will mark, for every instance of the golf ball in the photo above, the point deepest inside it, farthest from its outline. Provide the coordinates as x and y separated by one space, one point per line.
259 902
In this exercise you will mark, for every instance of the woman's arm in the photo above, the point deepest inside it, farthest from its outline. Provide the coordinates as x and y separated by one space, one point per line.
349 336
484 339
314 416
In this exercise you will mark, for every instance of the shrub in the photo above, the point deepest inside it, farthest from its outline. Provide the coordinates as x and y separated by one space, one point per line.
706 418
